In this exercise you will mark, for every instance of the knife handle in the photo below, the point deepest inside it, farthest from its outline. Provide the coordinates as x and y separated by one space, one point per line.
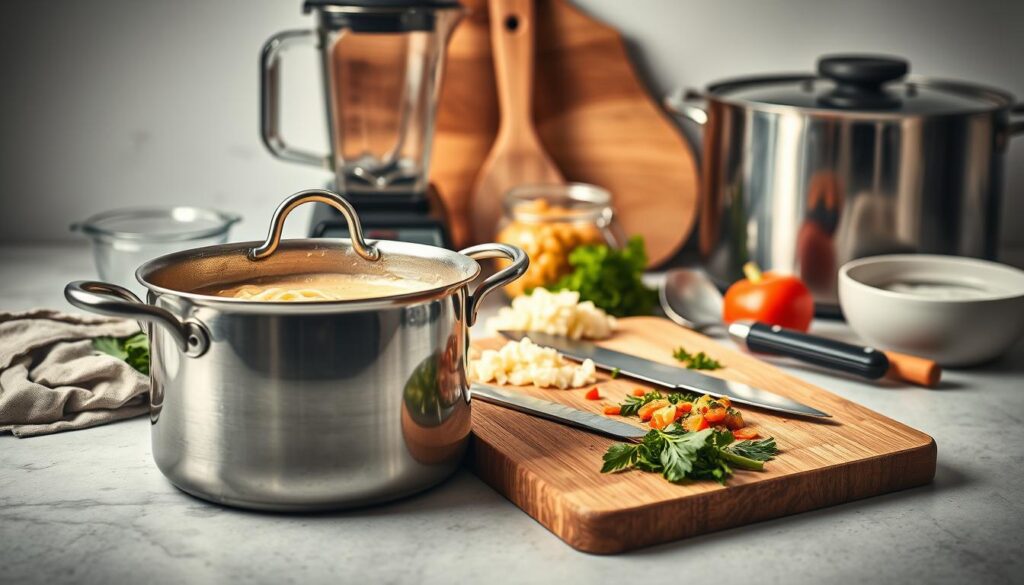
837 355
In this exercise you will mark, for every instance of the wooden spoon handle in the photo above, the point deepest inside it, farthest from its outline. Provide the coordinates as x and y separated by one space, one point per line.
512 40
913 369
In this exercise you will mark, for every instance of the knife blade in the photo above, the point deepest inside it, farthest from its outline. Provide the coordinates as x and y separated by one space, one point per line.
559 413
665 375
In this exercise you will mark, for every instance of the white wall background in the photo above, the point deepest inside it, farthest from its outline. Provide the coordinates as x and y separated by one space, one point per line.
110 103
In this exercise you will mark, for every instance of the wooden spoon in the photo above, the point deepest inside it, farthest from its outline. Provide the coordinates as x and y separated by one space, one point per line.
517 157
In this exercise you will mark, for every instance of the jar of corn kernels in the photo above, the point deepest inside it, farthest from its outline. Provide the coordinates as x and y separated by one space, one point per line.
548 222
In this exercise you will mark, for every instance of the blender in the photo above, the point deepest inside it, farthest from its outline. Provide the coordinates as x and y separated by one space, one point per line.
382 62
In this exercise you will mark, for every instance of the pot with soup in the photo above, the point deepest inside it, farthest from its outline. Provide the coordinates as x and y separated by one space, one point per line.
308 374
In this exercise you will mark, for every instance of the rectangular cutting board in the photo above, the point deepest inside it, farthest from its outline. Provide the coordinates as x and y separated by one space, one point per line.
552 471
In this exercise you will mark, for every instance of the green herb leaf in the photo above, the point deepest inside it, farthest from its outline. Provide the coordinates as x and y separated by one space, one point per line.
611 278
633 404
620 456
697 361
134 350
615 373
762 450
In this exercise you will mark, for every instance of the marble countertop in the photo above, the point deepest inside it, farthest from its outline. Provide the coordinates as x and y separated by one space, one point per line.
91 507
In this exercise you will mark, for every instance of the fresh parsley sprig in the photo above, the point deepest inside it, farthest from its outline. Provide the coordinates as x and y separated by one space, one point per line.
679 455
611 278
696 361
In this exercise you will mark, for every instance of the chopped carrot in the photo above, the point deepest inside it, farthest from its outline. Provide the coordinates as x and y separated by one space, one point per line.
724 401
715 415
663 417
593 394
684 407
612 409
694 423
734 420
745 434
639 392
647 411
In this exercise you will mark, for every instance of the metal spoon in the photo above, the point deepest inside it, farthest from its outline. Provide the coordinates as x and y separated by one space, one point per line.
690 299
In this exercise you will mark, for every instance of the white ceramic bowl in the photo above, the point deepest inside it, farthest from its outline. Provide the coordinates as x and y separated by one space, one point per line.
956 311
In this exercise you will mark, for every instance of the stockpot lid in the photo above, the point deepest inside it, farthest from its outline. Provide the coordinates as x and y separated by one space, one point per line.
862 83
197 273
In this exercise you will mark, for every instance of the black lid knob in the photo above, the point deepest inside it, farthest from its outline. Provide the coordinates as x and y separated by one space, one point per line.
859 80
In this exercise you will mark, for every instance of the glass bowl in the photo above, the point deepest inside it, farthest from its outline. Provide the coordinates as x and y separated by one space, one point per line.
123 239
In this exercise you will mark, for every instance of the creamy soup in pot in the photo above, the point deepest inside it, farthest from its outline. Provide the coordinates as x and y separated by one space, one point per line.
317 287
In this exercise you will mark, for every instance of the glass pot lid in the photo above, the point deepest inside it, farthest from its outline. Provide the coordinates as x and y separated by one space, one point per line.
863 83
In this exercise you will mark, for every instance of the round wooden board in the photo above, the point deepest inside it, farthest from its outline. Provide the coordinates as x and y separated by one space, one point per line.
594 117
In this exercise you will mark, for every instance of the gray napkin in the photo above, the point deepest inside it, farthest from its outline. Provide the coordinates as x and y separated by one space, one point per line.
52 380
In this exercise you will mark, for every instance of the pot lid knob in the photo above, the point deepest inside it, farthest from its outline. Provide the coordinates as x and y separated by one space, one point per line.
859 80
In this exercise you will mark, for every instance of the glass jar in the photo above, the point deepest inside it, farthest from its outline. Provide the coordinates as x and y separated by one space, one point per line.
548 222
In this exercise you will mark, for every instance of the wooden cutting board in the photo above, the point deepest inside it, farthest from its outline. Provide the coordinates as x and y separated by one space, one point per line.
552 471
594 116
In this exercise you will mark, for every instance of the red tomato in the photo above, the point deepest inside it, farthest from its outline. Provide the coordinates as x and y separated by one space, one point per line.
775 299
593 394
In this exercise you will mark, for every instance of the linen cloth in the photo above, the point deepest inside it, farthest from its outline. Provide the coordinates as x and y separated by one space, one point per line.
52 380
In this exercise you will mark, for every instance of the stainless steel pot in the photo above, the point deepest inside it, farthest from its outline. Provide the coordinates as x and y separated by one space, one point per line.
802 173
307 405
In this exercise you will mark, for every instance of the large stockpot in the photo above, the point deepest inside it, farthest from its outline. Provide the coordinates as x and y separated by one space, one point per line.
307 405
802 173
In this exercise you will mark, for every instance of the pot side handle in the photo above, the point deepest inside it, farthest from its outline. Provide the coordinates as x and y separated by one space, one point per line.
116 301
1018 126
681 103
520 262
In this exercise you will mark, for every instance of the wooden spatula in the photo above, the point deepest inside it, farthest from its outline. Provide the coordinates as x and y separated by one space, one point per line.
517 157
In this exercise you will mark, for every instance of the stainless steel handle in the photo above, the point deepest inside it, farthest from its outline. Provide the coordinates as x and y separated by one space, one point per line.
520 262
1018 126
680 103
270 100
190 336
355 229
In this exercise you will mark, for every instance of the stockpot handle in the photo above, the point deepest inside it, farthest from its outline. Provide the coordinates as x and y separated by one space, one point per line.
355 228
681 103
116 301
270 99
520 262
1018 126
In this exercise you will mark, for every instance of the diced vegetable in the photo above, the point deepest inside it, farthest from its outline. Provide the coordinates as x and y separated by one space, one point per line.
647 411
694 423
593 394
745 434
715 414
639 392
663 417
612 409
734 420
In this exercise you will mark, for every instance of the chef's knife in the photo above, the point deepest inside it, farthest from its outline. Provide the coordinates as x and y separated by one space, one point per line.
559 413
665 375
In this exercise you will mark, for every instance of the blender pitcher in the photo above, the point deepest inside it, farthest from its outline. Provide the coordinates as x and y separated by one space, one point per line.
382 62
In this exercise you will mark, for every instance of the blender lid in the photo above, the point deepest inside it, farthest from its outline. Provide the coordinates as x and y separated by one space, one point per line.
380 16
309 5
863 83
